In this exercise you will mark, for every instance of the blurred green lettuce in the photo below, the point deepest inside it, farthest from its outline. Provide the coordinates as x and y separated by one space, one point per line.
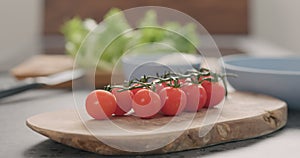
106 42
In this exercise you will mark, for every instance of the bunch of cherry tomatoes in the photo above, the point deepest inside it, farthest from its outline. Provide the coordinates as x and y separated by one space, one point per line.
169 94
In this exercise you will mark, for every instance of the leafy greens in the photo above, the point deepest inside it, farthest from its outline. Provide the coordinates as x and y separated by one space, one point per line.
107 41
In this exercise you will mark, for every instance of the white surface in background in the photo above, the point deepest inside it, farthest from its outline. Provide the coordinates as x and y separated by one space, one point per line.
20 30
252 45
260 47
276 21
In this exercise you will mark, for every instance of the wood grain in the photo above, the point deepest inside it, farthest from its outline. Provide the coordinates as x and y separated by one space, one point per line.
243 116
217 16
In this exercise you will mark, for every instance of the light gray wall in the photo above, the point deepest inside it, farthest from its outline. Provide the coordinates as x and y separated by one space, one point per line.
20 28
277 21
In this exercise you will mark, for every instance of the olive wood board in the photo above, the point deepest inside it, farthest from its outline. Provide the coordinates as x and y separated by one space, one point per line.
244 115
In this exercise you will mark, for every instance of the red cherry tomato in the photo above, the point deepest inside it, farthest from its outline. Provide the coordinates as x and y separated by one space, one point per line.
100 104
119 111
159 86
180 81
173 101
134 91
124 101
215 93
146 103
196 97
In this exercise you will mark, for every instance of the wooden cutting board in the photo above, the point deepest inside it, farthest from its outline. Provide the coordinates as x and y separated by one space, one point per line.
45 65
243 116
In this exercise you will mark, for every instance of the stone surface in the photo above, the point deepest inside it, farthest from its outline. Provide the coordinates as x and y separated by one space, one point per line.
18 141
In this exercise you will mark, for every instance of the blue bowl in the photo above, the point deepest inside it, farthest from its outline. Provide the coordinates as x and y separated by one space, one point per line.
137 65
278 77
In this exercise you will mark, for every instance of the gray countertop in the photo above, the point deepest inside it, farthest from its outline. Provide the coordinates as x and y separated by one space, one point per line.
19 141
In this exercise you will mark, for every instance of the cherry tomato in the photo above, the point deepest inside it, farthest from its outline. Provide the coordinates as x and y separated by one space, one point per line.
100 104
180 81
215 93
134 91
159 86
173 101
119 111
124 101
196 97
146 103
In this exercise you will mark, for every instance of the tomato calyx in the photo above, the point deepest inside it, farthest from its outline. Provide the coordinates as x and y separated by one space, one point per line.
108 88
171 79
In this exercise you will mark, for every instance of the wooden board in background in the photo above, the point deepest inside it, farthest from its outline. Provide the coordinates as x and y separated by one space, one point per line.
217 16
244 116
44 65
